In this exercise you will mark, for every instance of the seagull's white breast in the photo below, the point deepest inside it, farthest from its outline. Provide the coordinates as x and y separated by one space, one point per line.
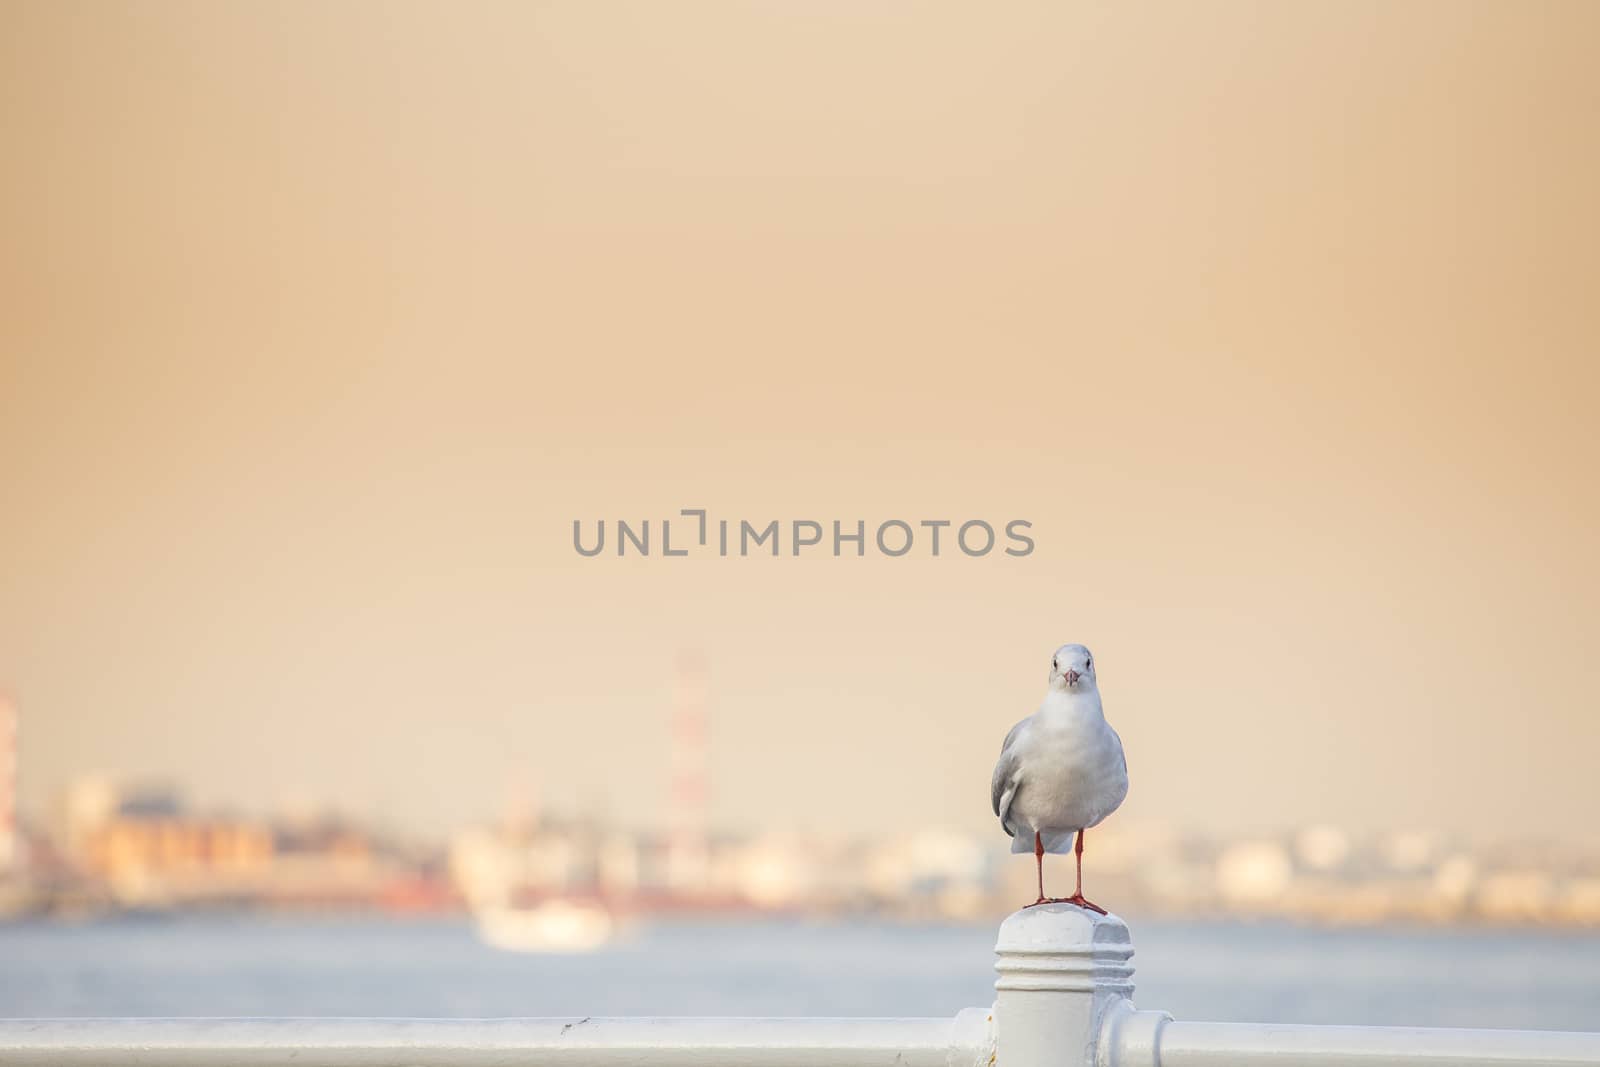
1069 767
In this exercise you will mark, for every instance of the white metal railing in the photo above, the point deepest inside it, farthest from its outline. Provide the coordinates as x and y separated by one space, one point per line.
591 1042
1062 1000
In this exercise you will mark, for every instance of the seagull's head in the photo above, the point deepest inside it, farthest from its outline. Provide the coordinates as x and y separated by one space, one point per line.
1072 669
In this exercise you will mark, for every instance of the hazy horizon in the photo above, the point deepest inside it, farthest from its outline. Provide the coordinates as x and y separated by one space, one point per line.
1277 322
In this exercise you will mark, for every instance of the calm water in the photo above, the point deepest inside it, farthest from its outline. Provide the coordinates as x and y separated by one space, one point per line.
1260 972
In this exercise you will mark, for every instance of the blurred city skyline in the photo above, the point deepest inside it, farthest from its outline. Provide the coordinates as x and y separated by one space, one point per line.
113 848
1276 322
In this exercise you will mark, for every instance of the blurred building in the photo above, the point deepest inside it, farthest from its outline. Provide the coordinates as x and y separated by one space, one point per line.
140 846
542 857
145 848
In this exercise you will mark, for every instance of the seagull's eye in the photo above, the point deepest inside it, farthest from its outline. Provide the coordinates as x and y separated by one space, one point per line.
1088 664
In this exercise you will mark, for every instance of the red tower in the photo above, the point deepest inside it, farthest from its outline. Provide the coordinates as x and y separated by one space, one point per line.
8 782
688 851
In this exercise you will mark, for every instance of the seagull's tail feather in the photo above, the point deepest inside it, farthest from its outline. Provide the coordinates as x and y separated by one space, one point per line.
1057 841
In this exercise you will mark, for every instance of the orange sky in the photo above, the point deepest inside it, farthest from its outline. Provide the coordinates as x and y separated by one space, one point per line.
323 322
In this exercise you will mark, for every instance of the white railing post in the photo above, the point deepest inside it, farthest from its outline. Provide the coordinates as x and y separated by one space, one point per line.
1062 998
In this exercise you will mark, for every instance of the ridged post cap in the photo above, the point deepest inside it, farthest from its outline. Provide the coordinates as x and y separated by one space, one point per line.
1064 948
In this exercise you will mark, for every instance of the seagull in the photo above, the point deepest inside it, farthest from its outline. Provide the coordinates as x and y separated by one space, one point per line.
1061 770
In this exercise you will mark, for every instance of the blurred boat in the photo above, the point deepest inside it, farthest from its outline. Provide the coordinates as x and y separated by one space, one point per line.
554 925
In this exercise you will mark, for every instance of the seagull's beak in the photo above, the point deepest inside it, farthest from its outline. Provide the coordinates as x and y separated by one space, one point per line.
1072 677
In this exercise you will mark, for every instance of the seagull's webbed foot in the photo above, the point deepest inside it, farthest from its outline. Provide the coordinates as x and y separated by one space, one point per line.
1084 902
1077 899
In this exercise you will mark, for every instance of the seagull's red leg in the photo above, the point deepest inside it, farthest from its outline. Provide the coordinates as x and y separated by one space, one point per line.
1038 858
1077 897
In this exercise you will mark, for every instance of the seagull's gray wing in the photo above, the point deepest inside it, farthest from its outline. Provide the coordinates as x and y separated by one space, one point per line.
1003 785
